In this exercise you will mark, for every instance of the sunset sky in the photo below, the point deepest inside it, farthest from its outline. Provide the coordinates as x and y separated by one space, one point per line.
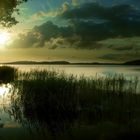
73 30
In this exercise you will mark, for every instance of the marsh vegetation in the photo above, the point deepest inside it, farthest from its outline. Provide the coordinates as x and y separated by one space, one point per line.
54 102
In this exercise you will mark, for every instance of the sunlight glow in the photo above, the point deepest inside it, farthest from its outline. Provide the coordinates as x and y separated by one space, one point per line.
5 92
4 38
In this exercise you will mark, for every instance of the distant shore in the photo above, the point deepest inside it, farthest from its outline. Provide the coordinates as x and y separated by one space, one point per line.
134 62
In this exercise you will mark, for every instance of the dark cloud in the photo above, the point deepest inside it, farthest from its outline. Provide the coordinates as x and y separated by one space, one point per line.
92 10
40 35
98 22
121 56
88 24
122 47
49 30
135 3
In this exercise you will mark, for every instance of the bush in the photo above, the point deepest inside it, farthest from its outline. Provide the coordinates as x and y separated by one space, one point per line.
7 74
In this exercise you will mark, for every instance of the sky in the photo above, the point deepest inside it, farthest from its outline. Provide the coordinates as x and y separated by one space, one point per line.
73 30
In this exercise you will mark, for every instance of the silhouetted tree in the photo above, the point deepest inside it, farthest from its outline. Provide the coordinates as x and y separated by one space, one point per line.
7 7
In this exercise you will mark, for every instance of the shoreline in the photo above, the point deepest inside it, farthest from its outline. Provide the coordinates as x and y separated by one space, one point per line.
134 63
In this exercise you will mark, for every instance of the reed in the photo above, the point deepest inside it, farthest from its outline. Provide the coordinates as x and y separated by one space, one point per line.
47 98
57 101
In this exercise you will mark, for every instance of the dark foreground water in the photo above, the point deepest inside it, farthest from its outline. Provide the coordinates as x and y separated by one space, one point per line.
13 129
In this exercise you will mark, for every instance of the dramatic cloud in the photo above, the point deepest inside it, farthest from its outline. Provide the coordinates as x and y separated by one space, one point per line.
39 35
86 24
120 56
41 15
92 10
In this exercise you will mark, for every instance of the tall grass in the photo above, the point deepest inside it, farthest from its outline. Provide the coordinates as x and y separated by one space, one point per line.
55 100
48 98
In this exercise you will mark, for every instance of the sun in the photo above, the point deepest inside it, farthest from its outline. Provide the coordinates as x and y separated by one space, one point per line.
4 38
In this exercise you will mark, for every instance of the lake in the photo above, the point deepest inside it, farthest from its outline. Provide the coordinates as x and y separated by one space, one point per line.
129 72
11 129
87 70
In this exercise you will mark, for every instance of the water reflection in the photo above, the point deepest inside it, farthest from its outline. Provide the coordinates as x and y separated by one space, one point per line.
6 92
34 111
87 70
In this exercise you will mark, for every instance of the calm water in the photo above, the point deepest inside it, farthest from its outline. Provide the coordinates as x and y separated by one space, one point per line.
87 70
9 129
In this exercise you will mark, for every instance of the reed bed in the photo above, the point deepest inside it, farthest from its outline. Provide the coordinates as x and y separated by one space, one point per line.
57 101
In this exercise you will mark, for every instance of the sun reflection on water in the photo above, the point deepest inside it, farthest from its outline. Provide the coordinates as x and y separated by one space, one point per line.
4 90
5 93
